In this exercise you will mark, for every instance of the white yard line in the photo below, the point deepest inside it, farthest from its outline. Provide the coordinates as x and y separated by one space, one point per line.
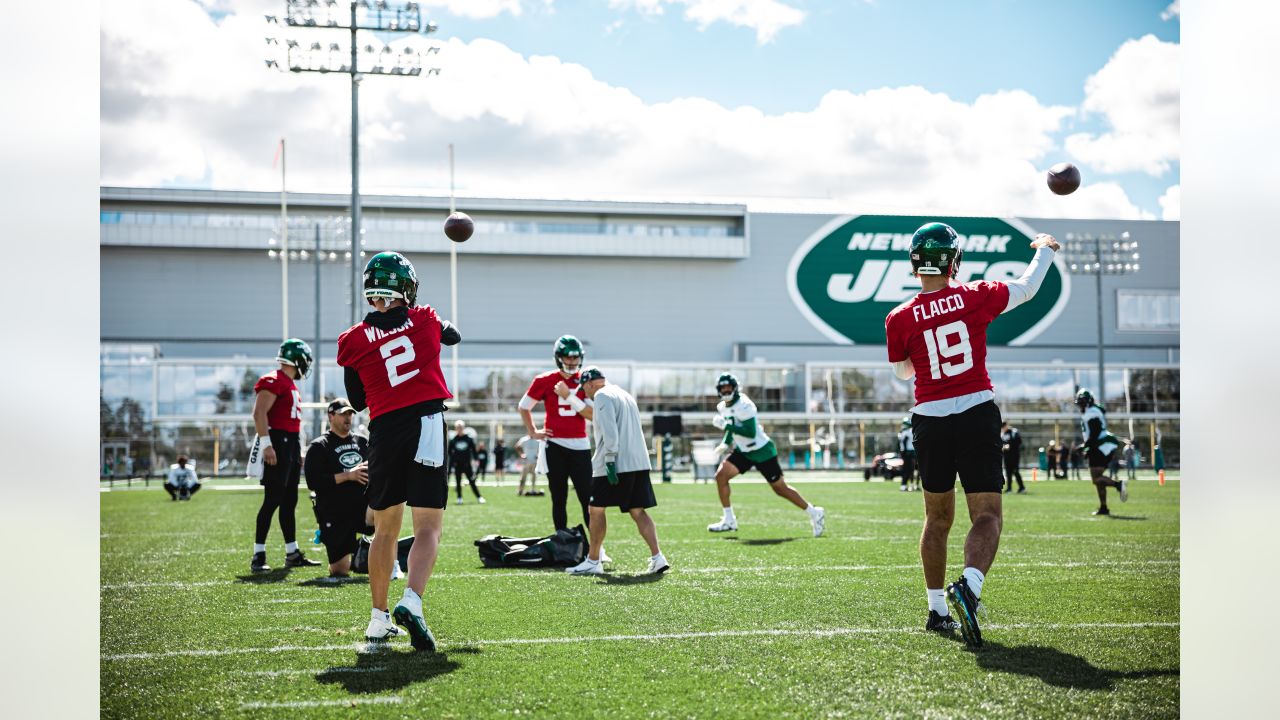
318 671
780 632
353 702
540 573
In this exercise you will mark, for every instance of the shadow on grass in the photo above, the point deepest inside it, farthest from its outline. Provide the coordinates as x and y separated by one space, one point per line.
326 581
762 541
1055 667
1127 517
387 669
274 575
636 579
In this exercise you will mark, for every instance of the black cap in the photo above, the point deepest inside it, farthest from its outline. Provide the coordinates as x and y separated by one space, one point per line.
340 405
590 373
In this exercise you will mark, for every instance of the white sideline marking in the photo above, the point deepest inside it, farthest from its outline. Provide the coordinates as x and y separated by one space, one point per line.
544 573
277 673
780 632
353 702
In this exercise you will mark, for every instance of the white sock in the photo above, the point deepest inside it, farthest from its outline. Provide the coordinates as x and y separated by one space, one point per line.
291 547
259 547
975 578
658 557
938 601
811 510
382 615
729 516
596 561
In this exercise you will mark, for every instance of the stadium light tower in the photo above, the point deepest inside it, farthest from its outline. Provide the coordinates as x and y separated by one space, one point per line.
1098 255
378 17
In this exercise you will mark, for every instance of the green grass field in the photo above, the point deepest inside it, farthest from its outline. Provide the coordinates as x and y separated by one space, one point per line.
1082 615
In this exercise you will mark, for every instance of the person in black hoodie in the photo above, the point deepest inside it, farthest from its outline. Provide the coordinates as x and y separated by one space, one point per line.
337 473
462 455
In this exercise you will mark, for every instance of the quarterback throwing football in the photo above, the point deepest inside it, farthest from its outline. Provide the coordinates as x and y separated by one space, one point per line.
940 337
391 365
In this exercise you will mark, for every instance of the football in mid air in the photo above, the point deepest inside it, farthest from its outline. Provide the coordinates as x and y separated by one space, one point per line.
459 226
1063 178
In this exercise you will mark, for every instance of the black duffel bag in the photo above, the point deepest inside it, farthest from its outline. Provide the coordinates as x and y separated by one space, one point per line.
564 548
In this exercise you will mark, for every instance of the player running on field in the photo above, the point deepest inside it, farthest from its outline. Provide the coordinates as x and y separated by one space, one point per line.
276 456
737 416
940 337
391 364
1100 449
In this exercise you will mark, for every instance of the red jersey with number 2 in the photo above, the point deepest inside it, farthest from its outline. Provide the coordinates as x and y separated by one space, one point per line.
944 333
398 367
562 420
286 412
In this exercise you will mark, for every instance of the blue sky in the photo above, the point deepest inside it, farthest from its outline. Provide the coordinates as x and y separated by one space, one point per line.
793 98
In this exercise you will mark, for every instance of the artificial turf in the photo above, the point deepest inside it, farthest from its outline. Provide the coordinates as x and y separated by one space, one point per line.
1081 614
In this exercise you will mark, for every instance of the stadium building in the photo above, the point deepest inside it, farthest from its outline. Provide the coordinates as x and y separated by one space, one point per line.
665 296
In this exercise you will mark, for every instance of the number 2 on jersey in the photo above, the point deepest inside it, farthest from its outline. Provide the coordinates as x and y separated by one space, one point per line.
395 360
939 344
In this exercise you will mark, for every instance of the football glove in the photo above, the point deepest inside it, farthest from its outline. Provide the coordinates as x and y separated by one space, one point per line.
611 469
721 449
718 421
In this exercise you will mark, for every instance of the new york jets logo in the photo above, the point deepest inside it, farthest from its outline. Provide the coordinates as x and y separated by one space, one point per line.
847 276
350 459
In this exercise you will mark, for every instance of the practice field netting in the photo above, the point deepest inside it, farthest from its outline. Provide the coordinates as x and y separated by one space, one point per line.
1081 615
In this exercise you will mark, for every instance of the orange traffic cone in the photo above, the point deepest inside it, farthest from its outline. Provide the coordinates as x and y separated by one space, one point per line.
1162 477
1034 472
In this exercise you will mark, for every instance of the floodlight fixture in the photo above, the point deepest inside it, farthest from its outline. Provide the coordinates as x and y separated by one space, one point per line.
1097 255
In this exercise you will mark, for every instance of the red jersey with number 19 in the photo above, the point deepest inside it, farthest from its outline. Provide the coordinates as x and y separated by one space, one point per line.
562 420
398 367
286 412
944 333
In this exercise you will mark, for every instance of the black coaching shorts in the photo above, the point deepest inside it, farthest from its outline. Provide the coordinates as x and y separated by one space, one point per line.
770 468
394 476
634 490
967 444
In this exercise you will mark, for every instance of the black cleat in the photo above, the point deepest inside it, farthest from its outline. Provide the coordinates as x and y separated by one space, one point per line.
420 636
258 563
964 606
941 623
1102 511
297 559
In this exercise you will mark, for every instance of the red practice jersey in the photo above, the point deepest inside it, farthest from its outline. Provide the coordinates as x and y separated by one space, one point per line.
561 420
399 367
286 413
944 333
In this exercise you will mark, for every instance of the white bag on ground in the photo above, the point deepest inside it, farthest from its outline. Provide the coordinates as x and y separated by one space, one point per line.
431 441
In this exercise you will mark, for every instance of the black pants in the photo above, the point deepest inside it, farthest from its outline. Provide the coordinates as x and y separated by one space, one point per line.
908 467
460 467
1011 472
280 487
564 464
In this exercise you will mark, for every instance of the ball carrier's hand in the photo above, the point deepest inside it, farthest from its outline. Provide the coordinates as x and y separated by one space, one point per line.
1046 240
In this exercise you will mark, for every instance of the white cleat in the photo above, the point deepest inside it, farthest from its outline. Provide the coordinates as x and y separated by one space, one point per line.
396 572
380 630
657 565
723 526
1124 491
586 567
480 500
818 519
604 556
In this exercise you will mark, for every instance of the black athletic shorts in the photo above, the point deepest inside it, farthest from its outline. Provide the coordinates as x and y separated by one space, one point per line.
1100 459
770 468
967 443
288 468
394 476
634 490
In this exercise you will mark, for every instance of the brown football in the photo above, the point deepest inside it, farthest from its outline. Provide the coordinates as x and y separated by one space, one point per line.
1063 178
459 226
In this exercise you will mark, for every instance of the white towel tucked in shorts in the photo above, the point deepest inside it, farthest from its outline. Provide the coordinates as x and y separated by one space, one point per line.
431 441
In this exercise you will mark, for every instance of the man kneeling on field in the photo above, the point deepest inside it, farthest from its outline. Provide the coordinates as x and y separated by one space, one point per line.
182 482
337 473
619 471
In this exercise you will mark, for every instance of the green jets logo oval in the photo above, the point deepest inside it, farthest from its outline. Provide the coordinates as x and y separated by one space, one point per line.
350 459
847 276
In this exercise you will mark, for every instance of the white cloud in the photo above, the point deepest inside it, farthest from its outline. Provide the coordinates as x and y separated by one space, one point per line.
197 107
766 17
1174 10
1171 203
1138 93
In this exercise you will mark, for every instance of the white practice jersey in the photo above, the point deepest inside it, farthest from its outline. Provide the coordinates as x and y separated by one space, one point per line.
739 413
1108 441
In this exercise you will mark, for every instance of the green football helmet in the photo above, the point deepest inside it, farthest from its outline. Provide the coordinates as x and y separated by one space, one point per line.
1085 399
568 346
906 422
390 275
935 250
727 380
297 353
